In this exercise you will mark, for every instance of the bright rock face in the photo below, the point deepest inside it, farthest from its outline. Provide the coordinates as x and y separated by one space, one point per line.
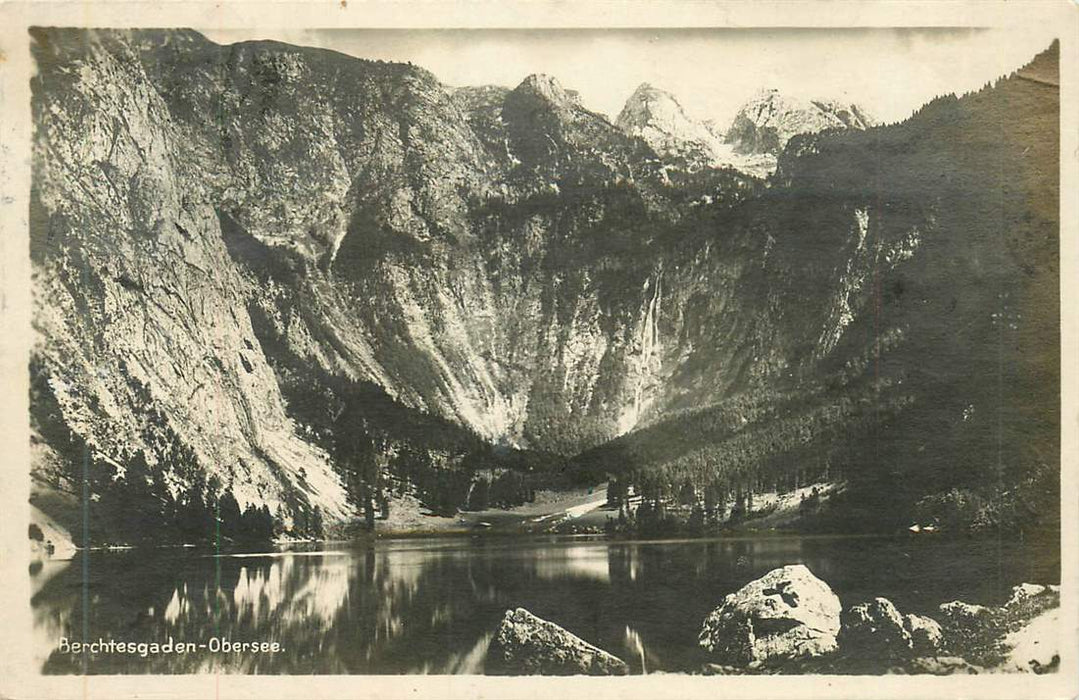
141 314
1025 591
926 634
528 644
767 122
758 134
658 118
387 231
786 614
959 611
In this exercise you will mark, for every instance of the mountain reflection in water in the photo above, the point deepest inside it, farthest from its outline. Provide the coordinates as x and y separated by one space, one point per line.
433 605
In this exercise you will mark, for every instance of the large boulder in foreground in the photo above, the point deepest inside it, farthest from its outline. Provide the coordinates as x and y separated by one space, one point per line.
786 614
877 629
926 634
526 644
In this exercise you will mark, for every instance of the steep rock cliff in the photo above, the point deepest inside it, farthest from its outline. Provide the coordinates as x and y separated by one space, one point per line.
260 251
143 335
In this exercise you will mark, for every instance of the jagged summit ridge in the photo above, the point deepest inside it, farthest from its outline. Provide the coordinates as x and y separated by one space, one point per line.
756 136
768 121
657 117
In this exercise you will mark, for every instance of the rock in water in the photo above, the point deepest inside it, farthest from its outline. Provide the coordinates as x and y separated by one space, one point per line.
877 629
786 614
961 615
1023 592
926 635
528 644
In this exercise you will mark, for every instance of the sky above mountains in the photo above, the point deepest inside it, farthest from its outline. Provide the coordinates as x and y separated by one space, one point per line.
890 72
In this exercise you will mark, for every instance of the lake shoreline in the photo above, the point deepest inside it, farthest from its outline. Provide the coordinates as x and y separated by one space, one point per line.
732 535
446 594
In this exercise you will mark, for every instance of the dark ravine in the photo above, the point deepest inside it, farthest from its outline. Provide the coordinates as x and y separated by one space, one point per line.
325 284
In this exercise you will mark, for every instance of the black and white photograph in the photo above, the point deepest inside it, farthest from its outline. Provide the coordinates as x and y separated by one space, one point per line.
711 352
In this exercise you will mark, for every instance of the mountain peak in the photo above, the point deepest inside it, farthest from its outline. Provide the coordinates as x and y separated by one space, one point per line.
548 88
658 118
770 118
647 89
656 115
648 98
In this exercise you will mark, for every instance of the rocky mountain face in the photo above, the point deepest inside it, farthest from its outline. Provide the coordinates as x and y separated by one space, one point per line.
767 122
656 117
145 344
758 134
313 278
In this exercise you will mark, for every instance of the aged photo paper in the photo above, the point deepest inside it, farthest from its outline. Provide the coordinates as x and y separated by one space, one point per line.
607 349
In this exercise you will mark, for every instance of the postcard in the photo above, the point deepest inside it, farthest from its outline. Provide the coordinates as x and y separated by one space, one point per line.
501 350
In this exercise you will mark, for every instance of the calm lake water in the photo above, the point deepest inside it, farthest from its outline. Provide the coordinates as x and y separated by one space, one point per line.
432 605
